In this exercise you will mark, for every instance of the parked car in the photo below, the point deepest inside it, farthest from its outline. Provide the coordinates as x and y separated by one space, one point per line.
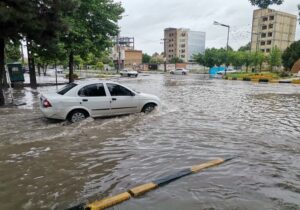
180 71
128 73
76 101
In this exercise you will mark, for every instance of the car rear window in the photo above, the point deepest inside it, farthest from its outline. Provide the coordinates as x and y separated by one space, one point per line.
66 89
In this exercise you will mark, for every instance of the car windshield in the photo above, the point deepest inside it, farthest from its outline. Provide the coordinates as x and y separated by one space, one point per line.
66 89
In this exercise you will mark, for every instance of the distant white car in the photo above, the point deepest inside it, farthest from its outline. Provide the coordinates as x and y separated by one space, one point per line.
128 73
180 71
76 102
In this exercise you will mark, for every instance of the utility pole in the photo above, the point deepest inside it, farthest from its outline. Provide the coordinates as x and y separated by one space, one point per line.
119 53
227 45
165 53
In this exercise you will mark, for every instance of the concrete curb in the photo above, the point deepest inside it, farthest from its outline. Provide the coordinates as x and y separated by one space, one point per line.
142 189
264 80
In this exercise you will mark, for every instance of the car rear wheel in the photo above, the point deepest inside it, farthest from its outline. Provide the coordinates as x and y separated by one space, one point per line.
148 108
77 116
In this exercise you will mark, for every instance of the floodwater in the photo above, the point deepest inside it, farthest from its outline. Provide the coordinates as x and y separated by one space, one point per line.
46 164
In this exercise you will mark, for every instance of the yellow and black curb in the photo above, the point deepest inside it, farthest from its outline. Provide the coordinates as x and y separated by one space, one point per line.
263 80
142 189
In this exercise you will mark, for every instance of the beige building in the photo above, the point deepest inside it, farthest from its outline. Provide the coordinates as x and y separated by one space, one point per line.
170 42
133 59
183 43
272 28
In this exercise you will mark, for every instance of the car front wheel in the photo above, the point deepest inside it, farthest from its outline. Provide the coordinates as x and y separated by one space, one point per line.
148 108
77 116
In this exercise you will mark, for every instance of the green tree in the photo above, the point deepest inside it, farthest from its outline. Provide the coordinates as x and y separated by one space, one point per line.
274 58
38 21
78 61
265 3
291 55
237 58
200 59
247 47
12 51
176 60
156 60
100 65
258 59
248 58
146 58
91 27
210 57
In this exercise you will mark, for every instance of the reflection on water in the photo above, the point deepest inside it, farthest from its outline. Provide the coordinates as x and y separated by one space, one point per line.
46 164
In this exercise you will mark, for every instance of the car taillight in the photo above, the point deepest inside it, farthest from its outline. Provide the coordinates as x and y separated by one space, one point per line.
46 104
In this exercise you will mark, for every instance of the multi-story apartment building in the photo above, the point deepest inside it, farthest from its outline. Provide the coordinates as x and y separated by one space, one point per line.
272 28
183 43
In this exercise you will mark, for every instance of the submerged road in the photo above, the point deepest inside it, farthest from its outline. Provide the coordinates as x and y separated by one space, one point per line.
46 164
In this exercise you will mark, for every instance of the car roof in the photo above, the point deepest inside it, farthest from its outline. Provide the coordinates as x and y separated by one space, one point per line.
90 82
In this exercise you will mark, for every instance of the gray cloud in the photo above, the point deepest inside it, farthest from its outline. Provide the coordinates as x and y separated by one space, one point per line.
146 20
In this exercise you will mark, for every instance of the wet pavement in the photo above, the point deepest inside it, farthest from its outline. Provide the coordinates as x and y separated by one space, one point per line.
47 164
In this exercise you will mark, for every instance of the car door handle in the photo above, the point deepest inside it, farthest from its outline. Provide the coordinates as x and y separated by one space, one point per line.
85 100
114 99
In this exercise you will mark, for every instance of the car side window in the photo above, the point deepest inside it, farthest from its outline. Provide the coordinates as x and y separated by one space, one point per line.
117 90
94 90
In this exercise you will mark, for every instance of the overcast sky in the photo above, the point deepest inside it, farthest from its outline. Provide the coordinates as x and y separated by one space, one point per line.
146 19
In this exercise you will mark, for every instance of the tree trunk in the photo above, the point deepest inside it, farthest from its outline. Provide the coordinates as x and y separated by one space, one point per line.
2 71
71 62
39 69
31 66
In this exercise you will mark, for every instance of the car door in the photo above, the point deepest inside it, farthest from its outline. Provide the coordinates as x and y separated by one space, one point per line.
94 97
123 101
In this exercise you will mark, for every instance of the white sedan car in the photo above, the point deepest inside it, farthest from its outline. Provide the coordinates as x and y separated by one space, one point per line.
180 71
76 102
128 73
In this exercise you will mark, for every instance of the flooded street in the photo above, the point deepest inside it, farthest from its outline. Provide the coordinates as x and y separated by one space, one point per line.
46 164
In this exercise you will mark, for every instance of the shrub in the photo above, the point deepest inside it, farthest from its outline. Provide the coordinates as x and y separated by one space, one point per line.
284 74
263 80
246 79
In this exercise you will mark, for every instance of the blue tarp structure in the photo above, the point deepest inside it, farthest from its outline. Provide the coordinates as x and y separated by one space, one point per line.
216 69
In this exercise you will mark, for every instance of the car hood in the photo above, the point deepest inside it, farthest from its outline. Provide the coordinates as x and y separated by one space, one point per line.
148 96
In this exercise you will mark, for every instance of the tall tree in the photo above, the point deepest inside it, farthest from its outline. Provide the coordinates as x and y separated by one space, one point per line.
146 58
258 59
247 47
248 59
176 60
12 51
40 21
91 27
291 55
265 3
274 58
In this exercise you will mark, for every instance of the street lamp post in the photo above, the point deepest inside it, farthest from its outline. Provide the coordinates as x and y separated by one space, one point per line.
228 27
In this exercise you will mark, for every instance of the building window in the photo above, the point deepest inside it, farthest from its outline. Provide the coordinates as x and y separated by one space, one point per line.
263 35
263 43
270 25
268 50
265 19
264 27
262 50
272 17
183 45
183 51
270 34
182 56
269 42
